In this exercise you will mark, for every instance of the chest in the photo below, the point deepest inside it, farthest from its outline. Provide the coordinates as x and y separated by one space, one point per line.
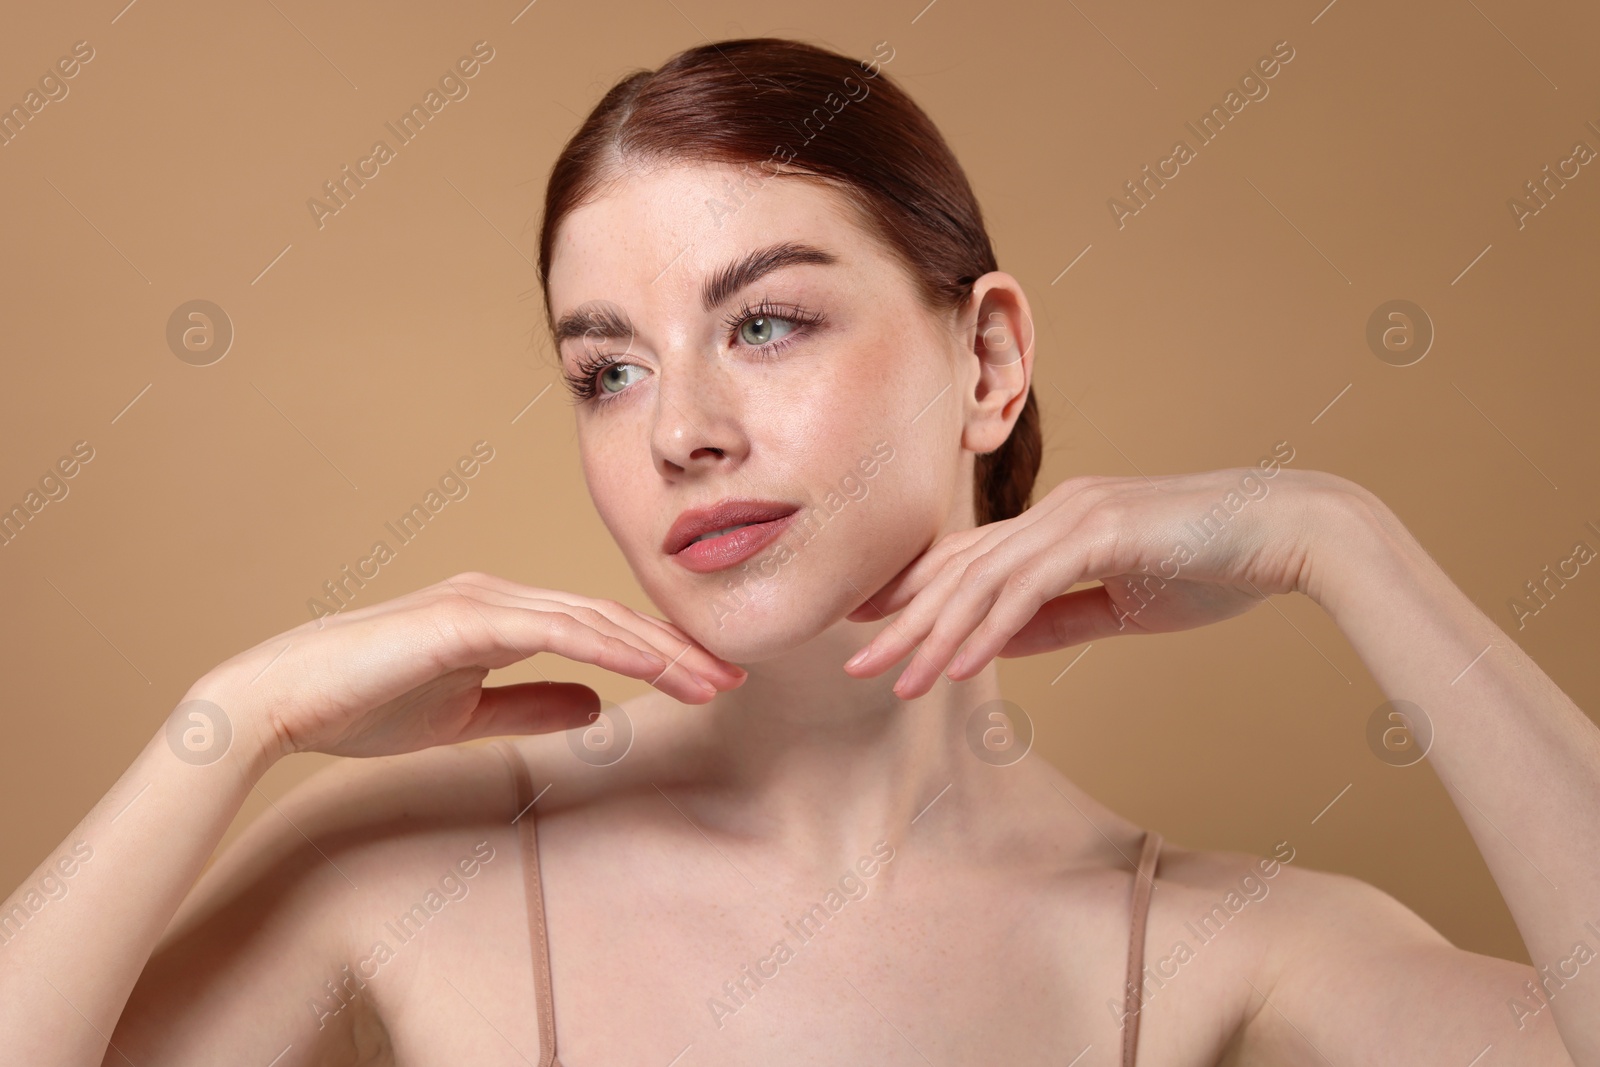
682 954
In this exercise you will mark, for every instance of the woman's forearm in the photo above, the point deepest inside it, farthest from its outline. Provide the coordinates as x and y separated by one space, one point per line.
77 933
1518 757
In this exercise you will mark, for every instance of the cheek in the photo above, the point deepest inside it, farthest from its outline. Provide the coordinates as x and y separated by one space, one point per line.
890 396
837 406
616 490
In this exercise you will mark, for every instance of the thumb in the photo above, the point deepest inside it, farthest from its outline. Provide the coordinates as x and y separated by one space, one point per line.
532 708
1067 620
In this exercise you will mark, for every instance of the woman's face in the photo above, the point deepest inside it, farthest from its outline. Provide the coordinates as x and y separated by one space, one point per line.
824 389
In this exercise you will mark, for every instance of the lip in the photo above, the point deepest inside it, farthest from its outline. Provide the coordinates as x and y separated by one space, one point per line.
768 519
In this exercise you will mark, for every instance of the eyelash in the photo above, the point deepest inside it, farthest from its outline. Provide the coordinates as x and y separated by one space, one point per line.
583 389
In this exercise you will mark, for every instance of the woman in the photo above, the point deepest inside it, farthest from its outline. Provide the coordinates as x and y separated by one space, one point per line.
805 414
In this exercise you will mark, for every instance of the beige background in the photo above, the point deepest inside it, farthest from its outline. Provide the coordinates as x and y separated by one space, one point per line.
372 352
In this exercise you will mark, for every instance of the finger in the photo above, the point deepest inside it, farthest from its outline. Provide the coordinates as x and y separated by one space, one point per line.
950 627
899 590
531 708
607 617
1002 588
673 641
677 648
1012 611
952 616
890 645
498 635
1070 619
979 574
677 657
583 614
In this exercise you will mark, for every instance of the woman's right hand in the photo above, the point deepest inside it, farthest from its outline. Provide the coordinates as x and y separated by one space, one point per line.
407 673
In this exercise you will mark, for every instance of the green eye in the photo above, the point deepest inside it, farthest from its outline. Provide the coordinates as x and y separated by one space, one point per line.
613 374
759 330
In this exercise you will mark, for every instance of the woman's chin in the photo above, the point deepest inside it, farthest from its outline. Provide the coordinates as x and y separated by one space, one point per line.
747 643
755 633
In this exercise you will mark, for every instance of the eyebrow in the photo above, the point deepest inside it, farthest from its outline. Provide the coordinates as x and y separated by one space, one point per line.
601 321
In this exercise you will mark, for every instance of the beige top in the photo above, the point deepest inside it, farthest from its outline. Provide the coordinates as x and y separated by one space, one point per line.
1143 883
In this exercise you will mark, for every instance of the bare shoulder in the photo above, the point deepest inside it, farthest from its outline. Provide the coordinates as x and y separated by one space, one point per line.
1307 966
359 816
1267 914
1308 906
280 917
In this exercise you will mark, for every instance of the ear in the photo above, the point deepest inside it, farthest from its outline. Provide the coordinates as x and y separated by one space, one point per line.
999 335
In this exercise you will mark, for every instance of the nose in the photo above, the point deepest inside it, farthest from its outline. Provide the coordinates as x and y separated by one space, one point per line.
698 428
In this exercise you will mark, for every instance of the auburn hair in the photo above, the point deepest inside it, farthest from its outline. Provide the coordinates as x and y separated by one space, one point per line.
785 106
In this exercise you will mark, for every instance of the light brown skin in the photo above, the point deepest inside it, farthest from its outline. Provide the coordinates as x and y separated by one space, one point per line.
997 932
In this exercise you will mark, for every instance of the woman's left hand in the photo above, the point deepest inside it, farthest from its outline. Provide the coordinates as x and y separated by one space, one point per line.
1173 552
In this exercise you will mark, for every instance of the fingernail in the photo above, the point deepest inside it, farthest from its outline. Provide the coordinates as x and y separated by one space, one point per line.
858 659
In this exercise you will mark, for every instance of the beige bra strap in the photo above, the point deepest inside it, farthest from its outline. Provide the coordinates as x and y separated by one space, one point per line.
524 818
1143 883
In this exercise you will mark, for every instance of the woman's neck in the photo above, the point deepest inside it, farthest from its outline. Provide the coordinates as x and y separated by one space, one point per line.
817 763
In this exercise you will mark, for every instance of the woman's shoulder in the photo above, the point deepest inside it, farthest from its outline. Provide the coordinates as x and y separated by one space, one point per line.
364 824
1267 920
1254 914
363 803
1327 951
296 900
1278 885
356 836
1247 923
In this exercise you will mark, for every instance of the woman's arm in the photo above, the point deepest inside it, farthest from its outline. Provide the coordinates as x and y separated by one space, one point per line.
1518 757
393 678
1522 762
80 928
